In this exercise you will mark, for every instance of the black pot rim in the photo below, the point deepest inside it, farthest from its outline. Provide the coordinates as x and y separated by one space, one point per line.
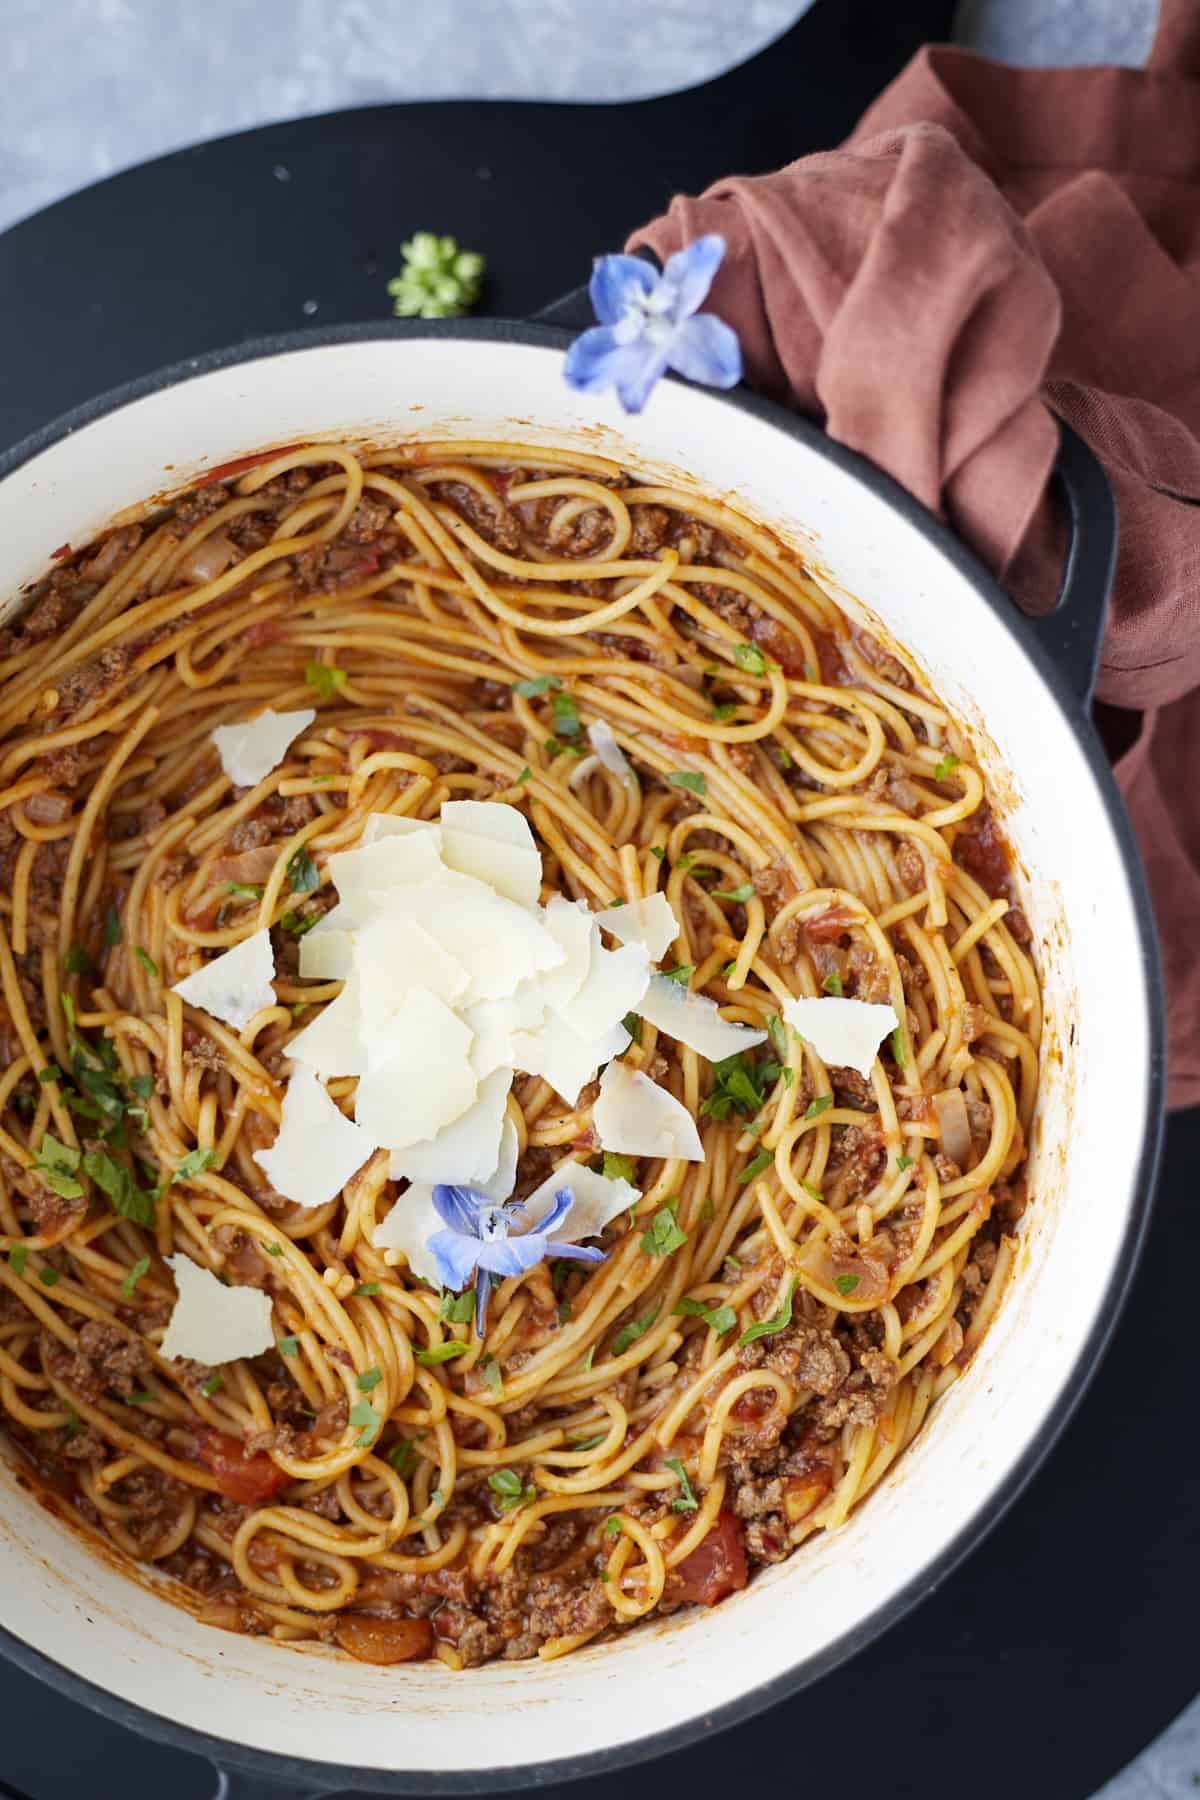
314 1776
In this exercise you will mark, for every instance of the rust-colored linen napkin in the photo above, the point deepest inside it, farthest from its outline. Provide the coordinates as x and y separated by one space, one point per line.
989 243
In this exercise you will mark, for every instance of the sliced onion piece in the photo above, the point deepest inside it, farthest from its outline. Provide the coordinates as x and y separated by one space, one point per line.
954 1127
609 752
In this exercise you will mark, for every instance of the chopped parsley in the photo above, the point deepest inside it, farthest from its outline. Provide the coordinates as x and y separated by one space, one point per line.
618 1167
403 1458
777 1322
633 1026
363 1291
51 1072
687 1501
586 1443
684 778
783 759
833 983
273 1249
612 1526
525 775
681 972
369 1379
663 1234
750 658
145 958
846 1284
74 1424
762 1159
298 923
18 1256
363 1414
143 1397
745 891
303 875
816 1107
140 1268
290 1346
777 1032
585 1366
556 747
629 1334
946 767
141 1085
532 685
456 1309
440 1353
510 1490
725 710
493 1376
566 716
76 961
325 679
904 1162
736 1088
194 1163
56 1164
213 1385
248 890
718 1318
48 1276
112 927
657 850
896 1039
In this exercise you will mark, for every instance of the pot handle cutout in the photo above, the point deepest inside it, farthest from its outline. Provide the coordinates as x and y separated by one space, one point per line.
240 1784
1072 634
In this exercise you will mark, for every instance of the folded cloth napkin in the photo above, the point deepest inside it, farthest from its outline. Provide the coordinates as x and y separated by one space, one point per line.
990 243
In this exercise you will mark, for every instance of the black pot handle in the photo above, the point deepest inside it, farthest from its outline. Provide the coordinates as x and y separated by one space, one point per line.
571 312
239 1784
1072 634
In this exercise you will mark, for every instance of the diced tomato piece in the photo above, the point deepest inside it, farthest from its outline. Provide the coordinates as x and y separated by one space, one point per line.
246 1479
983 853
824 927
63 550
265 631
240 464
384 1640
716 1567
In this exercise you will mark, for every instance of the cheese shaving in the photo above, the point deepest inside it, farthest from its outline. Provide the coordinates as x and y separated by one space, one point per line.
235 986
693 1020
212 1323
467 1150
250 749
495 845
636 1117
844 1033
317 1149
650 922
598 1200
419 1076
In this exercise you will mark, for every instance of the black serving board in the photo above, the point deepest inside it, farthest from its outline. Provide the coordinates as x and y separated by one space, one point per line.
1064 1644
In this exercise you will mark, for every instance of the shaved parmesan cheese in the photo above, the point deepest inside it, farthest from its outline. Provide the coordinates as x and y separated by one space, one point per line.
408 1228
317 1149
493 843
609 752
213 1323
499 943
567 1061
394 956
499 1186
419 1077
572 927
367 878
236 985
616 983
335 1042
636 1117
598 1200
326 955
693 1020
381 825
844 1033
468 1149
253 747
650 922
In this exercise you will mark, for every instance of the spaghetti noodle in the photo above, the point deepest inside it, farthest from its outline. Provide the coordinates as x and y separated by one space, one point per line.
769 1328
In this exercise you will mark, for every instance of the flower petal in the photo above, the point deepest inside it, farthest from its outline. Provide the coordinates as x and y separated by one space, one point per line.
483 1292
580 1252
592 360
514 1256
706 349
557 1211
641 368
616 281
459 1207
689 273
455 1256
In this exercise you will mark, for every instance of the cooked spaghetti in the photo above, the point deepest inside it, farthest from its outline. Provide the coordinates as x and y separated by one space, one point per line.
771 1326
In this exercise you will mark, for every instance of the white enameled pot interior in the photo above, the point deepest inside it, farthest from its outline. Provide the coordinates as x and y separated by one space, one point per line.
84 1613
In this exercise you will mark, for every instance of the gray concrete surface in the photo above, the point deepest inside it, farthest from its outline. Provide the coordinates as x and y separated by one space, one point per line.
145 76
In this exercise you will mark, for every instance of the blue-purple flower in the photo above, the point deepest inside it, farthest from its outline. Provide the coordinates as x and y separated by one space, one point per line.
477 1241
649 323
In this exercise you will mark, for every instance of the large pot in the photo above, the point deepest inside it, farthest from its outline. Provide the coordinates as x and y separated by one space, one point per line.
75 1618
